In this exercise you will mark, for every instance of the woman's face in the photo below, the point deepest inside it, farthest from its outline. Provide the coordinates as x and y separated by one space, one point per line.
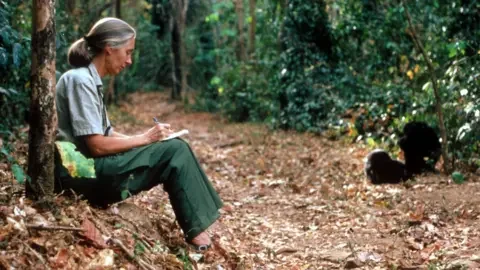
119 58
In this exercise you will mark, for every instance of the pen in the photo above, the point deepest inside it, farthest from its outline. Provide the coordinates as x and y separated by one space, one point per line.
155 120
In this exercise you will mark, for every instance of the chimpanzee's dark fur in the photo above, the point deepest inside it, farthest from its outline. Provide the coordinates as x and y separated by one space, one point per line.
381 169
421 148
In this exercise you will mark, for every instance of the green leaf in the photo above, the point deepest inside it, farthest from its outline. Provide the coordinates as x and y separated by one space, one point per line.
3 150
17 49
3 57
76 163
458 178
370 142
18 173
139 248
5 35
125 194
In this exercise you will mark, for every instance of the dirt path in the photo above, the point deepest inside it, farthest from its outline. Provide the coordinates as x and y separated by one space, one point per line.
298 201
292 201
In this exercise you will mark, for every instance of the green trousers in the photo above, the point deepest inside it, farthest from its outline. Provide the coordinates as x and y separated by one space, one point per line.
171 163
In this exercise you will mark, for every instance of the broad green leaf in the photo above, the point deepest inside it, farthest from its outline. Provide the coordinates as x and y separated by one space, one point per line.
5 35
458 178
125 194
76 163
18 173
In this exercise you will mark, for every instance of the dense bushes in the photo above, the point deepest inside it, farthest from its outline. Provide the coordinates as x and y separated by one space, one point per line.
14 63
352 67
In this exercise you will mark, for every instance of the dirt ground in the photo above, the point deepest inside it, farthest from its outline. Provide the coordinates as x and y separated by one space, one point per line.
292 201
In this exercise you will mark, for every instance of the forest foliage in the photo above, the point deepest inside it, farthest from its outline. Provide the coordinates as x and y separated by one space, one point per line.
345 68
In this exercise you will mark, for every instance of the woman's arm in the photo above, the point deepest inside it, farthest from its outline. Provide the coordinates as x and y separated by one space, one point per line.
118 134
100 145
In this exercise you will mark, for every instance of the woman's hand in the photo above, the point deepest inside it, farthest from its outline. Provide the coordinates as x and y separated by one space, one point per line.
158 132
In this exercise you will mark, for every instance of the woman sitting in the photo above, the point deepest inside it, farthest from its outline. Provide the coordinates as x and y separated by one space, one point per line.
127 163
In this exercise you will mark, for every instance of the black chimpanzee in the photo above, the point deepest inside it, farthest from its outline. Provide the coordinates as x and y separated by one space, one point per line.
381 169
421 147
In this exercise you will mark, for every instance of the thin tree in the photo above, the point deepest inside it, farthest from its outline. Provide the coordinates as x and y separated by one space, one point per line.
43 117
177 26
433 78
252 27
70 6
281 33
242 53
110 95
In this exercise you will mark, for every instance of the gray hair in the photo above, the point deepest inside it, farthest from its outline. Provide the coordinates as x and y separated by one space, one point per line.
111 32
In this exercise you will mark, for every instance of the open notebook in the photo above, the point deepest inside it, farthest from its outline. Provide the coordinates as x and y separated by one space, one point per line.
176 134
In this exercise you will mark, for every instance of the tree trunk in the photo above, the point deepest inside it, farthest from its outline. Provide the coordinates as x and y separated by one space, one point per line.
183 49
252 27
438 99
110 95
179 74
70 6
216 35
242 53
176 61
118 8
43 117
281 31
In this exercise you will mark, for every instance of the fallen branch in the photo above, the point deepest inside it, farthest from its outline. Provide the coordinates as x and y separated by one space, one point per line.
53 228
229 144
285 250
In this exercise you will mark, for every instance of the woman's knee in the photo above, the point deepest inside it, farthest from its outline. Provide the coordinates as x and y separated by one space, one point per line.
177 145
176 148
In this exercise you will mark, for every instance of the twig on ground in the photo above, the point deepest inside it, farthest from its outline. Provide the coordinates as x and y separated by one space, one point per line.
59 194
229 144
53 228
40 258
285 250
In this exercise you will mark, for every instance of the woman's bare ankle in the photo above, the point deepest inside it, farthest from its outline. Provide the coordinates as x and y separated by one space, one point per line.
202 239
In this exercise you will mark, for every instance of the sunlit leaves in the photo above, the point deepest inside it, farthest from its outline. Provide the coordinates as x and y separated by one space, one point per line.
214 17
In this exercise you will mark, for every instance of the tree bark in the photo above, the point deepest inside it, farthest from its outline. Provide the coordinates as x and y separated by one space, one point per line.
70 6
252 27
176 61
110 95
118 8
281 31
43 117
179 73
183 49
438 99
242 53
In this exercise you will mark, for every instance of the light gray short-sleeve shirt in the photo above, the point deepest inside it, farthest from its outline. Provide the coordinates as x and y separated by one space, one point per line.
80 109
